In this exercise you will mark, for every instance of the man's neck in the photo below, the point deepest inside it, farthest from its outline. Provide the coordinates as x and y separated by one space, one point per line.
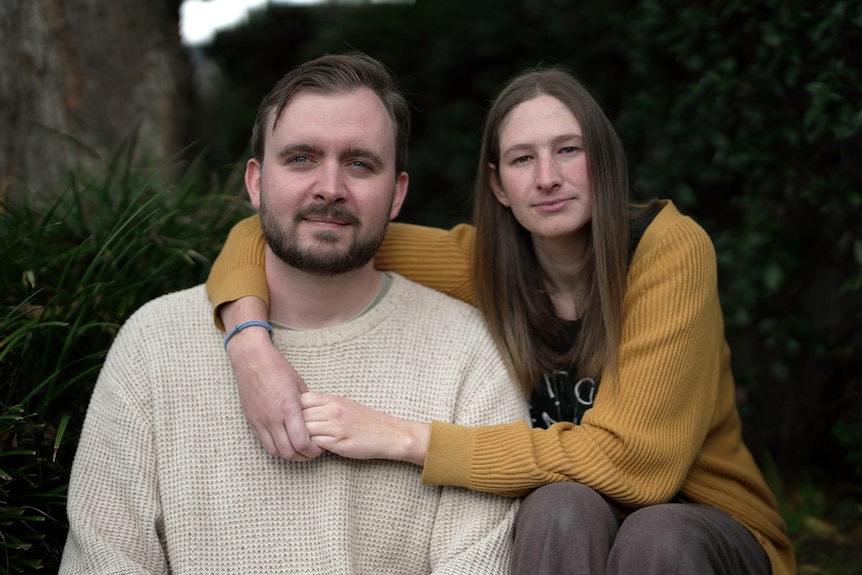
306 301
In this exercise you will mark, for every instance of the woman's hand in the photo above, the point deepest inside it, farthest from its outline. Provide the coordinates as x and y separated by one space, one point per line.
350 429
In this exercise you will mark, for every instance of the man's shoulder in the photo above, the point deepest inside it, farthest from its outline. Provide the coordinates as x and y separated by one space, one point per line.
419 297
172 325
438 321
194 296
188 307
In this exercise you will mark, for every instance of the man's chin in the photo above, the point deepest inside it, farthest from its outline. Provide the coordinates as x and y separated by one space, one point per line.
323 259
330 237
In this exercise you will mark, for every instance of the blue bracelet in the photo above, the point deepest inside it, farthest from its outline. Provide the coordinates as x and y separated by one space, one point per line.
241 326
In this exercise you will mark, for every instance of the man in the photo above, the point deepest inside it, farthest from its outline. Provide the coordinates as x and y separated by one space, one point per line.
168 478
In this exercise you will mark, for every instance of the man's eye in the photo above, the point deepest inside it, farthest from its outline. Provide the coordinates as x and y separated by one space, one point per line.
522 159
359 164
299 160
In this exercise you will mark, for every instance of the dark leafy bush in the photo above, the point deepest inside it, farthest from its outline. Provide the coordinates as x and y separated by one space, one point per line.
72 273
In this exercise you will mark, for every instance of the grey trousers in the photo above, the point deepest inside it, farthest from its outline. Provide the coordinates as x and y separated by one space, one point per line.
568 528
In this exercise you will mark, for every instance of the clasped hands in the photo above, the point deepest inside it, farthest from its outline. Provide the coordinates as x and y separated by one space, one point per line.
297 425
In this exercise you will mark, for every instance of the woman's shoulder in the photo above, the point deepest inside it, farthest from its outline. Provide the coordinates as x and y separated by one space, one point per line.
675 257
670 229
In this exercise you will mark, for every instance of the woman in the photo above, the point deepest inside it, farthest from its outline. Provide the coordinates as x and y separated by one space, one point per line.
610 318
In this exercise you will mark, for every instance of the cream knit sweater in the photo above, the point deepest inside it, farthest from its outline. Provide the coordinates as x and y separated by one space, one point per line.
168 477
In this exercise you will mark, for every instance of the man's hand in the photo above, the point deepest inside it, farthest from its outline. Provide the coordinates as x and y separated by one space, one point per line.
269 386
269 390
352 430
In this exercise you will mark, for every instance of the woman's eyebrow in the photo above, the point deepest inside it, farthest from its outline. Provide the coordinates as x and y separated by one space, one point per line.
579 139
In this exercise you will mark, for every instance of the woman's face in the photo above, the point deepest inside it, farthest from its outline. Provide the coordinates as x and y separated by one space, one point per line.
542 175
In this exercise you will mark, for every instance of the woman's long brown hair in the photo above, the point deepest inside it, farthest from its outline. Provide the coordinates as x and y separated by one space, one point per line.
509 281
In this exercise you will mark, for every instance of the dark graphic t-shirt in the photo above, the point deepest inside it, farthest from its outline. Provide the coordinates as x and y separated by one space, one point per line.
563 395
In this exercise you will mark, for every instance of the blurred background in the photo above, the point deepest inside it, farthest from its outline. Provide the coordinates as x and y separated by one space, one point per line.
121 139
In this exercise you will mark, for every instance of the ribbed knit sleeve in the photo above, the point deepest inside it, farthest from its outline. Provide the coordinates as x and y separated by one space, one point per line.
439 259
435 258
239 269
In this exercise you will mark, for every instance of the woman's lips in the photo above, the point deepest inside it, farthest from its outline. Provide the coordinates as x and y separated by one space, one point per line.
551 206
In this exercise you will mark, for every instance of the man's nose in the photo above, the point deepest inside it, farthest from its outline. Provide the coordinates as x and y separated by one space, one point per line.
330 186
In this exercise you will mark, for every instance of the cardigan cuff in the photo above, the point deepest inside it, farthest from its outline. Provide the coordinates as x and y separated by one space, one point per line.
244 281
450 451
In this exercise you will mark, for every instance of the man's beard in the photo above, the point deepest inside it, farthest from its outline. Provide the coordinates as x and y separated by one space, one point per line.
284 242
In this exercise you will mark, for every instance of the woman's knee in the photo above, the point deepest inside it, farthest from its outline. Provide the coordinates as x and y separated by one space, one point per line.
656 539
670 519
563 528
565 507
684 538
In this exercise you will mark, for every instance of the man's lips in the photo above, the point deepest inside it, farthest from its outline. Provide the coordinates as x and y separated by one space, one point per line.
328 221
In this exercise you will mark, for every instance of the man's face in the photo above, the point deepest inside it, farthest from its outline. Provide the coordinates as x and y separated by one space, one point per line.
327 188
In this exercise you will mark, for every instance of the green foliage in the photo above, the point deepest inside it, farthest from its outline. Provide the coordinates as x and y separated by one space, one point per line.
823 519
73 272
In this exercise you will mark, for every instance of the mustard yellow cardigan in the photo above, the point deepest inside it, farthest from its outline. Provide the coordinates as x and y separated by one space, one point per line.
667 427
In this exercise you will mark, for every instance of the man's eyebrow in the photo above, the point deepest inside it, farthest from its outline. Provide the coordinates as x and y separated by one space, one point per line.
293 148
301 148
365 153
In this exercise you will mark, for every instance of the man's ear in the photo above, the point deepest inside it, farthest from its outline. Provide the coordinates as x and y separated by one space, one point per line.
496 186
401 183
252 182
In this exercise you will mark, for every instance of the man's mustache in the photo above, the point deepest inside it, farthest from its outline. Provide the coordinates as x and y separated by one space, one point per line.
334 212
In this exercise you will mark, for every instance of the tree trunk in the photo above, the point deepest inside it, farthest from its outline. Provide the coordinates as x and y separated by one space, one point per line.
77 78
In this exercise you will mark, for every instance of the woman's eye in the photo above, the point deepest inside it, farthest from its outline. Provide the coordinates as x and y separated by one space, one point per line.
569 150
522 159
